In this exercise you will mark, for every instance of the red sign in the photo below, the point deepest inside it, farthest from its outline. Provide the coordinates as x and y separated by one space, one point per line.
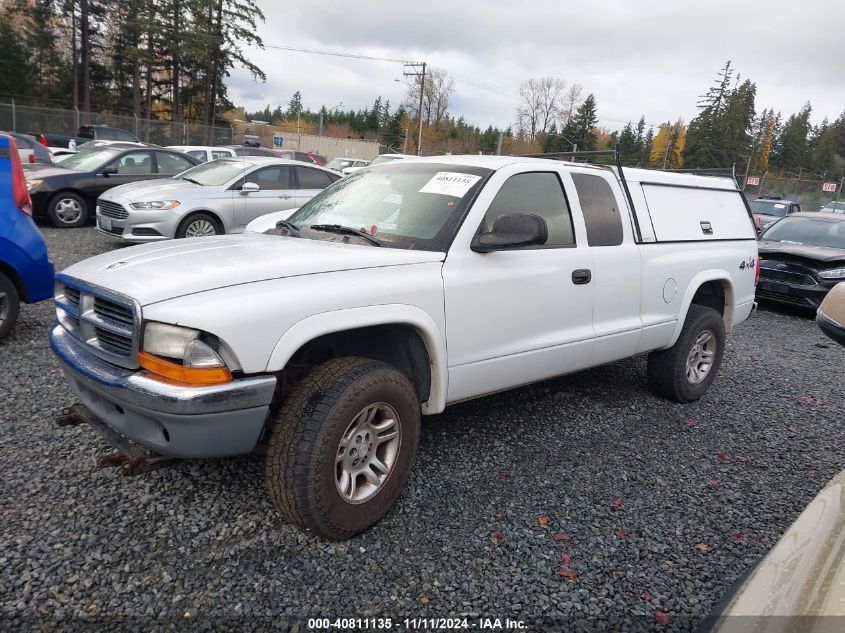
829 186
753 181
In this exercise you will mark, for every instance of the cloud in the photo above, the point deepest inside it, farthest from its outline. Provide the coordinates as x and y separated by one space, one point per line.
639 58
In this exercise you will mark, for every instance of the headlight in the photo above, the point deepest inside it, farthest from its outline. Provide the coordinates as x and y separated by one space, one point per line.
157 204
32 185
179 354
833 273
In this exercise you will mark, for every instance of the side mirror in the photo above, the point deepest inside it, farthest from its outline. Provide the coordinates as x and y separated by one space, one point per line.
512 230
249 187
109 171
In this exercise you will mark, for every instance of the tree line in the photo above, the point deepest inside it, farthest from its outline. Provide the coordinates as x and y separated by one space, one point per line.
156 59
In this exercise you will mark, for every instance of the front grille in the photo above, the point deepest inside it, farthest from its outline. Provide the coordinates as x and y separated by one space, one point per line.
106 322
112 210
111 310
782 297
787 276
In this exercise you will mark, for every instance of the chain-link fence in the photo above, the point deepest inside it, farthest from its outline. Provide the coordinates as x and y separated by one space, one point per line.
33 120
809 190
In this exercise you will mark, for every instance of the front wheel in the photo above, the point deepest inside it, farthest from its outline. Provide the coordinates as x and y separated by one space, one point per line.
9 305
685 371
67 210
199 225
342 446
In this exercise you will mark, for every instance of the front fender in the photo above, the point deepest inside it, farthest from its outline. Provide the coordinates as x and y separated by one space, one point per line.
317 325
699 280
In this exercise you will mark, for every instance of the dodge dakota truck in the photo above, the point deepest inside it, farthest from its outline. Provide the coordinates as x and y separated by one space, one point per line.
390 295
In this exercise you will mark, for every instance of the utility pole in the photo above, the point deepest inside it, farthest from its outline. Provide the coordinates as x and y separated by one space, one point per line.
414 72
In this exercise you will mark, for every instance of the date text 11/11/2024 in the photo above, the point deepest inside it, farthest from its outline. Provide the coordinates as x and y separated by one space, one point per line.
416 624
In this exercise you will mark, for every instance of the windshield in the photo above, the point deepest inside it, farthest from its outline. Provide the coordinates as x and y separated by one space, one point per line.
385 158
90 160
406 205
777 209
810 231
216 173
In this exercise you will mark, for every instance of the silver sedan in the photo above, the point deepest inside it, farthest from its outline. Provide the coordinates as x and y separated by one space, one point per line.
214 198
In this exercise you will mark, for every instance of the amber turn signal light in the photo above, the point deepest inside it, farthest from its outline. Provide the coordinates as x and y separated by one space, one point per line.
193 376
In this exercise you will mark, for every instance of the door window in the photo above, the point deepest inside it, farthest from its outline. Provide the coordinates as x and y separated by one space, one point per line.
600 208
312 178
538 193
271 178
198 154
172 163
215 154
134 163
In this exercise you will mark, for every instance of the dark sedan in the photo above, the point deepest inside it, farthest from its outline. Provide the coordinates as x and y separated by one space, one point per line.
802 256
67 195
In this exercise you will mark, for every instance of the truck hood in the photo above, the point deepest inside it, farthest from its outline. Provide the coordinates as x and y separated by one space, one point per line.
818 253
144 189
165 270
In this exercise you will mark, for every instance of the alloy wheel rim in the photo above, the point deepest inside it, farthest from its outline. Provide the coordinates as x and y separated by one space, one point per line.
200 228
68 210
700 358
367 452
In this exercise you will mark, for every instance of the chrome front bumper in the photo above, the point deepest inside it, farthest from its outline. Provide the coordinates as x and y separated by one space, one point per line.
208 421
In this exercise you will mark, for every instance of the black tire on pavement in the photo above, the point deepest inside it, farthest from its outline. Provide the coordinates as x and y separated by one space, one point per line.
198 220
314 434
669 371
67 210
10 305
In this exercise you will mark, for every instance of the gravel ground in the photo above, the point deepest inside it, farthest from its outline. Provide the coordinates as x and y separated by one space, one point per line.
582 500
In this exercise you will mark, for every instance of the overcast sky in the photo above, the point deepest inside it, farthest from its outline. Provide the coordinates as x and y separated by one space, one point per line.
638 57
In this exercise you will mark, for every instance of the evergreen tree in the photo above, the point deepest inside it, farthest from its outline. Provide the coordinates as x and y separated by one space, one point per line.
295 105
793 147
581 127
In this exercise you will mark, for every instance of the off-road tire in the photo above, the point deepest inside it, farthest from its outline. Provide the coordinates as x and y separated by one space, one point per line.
52 210
182 230
667 369
11 305
303 446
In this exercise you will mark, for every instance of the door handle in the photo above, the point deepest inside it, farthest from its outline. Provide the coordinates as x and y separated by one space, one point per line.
581 276
285 197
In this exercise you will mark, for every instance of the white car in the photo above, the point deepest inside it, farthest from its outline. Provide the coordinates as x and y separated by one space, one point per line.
339 164
380 160
204 153
393 294
213 198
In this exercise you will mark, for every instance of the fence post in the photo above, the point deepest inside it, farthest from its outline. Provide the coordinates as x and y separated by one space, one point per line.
76 119
14 122
232 132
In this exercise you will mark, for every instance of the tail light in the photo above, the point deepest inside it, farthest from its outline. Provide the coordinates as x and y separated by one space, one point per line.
32 158
19 191
757 272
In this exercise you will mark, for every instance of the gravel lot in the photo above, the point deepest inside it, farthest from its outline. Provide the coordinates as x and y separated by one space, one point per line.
656 507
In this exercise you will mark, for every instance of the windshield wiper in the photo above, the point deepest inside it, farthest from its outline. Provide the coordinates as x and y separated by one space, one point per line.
196 182
290 226
346 230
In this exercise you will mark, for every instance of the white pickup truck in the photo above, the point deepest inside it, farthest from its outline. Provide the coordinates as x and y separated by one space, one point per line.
393 293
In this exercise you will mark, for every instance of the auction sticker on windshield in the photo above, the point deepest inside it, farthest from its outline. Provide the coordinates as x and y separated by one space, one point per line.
450 183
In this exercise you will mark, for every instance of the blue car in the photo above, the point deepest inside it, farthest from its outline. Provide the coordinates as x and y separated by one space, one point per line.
26 273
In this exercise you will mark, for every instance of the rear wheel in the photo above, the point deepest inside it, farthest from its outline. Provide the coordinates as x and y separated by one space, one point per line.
67 210
342 446
199 225
9 305
685 371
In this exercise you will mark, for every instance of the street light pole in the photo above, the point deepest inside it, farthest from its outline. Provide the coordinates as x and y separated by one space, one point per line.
421 75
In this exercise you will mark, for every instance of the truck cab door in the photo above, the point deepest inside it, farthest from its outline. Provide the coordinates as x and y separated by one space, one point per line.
617 268
523 314
275 193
